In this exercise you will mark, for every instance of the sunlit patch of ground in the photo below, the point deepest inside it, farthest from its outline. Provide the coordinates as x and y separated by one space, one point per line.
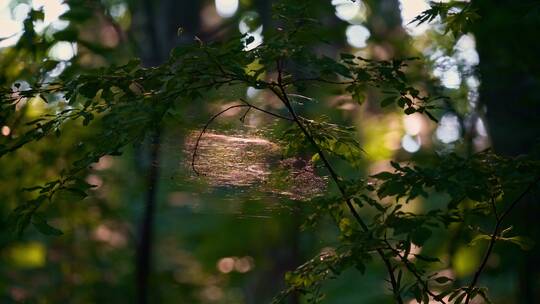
247 161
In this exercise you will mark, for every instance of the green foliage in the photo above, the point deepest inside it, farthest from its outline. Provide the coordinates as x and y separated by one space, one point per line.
123 104
457 16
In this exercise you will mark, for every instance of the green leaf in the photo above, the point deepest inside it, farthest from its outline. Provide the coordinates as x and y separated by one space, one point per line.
410 110
89 89
443 280
427 258
77 13
347 56
480 237
388 101
454 294
42 226
250 40
49 65
70 195
420 235
524 243
425 297
69 34
87 118
383 175
443 294
460 298
483 293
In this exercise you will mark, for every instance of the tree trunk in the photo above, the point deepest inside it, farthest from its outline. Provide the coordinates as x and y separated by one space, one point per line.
510 86
156 26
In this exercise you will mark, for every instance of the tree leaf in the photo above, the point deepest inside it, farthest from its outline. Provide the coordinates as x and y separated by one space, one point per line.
42 226
523 242
443 280
388 101
427 258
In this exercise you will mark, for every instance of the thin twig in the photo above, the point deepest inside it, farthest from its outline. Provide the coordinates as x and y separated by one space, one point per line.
494 237
415 273
266 112
204 130
495 212
246 104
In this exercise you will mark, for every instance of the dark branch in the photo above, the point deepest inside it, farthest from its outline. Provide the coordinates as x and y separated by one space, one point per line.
279 90
495 236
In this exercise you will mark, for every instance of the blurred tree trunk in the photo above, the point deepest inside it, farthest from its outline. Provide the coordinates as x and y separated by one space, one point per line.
385 25
156 27
509 68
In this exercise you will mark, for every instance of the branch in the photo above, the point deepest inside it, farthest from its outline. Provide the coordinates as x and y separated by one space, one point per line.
413 271
279 90
266 112
494 237
317 79
204 130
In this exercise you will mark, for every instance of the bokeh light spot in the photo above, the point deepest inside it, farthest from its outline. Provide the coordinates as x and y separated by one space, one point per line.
449 129
6 131
347 10
357 35
225 265
226 8
63 50
411 144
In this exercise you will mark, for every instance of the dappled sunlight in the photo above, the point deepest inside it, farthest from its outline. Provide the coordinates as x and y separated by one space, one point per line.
242 161
233 161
